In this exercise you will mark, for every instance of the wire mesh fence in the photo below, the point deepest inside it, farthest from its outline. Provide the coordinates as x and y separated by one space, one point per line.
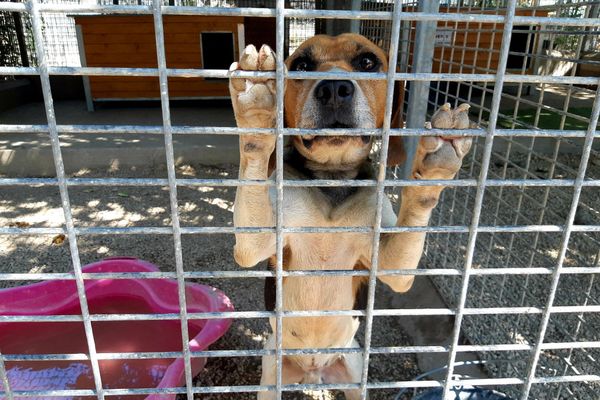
541 50
16 49
512 246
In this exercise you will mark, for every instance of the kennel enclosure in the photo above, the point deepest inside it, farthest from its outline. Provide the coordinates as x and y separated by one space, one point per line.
513 244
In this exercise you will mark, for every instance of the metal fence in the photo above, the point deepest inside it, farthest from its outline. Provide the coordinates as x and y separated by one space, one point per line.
61 38
16 49
513 245
547 49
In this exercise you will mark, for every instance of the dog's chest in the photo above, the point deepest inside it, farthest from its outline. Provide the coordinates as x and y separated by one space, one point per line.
307 207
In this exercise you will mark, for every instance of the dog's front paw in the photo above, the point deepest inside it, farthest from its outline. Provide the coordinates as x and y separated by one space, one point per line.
441 157
254 100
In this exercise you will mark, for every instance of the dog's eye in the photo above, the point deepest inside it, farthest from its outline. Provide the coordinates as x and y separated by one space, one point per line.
367 62
294 334
302 64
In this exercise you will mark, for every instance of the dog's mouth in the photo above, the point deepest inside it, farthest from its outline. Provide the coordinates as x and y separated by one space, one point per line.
335 140
339 125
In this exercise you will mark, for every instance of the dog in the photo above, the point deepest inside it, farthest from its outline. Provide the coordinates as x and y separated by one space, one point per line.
330 104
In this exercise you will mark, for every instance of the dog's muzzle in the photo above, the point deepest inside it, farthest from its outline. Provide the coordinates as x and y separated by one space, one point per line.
335 101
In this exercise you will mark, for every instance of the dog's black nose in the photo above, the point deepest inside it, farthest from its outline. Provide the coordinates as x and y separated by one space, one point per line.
334 92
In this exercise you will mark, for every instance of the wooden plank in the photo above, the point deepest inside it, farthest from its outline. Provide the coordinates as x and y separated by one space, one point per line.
197 28
185 83
176 37
138 94
126 29
201 19
118 38
98 59
120 48
131 19
131 60
110 19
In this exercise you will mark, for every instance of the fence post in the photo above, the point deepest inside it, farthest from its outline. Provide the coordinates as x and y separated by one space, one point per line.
418 97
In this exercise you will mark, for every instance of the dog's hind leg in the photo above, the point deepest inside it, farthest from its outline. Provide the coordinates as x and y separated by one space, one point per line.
290 372
347 369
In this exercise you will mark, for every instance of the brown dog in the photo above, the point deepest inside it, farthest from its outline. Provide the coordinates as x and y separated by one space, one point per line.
329 104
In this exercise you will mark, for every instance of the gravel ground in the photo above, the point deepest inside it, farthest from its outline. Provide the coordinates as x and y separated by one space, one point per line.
514 206
147 206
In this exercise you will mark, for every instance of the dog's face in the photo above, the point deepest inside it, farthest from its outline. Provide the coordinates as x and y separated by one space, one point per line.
335 103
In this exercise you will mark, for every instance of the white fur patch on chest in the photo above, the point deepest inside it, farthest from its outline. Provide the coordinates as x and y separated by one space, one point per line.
307 207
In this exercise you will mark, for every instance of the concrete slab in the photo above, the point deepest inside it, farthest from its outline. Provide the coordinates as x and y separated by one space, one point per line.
433 330
30 154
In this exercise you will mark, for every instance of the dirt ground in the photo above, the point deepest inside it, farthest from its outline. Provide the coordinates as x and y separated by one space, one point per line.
203 206
517 206
146 206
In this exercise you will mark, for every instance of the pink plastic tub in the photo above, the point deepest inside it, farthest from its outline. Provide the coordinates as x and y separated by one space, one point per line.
107 296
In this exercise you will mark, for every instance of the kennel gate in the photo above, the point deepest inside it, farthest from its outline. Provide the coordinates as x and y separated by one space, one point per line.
462 274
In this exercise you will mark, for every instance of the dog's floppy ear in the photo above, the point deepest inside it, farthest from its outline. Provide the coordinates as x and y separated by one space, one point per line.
396 154
272 163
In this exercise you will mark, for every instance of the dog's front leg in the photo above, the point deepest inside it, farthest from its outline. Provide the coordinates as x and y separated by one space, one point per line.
436 158
254 106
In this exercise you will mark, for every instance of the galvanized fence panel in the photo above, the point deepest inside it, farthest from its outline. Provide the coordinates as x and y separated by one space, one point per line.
546 49
474 256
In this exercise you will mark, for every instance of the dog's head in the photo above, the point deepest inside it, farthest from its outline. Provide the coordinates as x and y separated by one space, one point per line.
337 103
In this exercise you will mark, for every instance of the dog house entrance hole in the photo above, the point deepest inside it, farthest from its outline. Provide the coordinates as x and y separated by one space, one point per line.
218 50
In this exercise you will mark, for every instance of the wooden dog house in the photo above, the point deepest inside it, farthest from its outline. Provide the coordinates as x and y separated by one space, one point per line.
214 42
190 42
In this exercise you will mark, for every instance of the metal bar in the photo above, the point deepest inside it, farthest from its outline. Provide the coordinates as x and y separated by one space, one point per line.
303 13
264 274
300 387
308 229
578 325
327 350
310 313
200 130
170 157
6 389
224 74
474 228
419 91
387 119
280 74
145 182
564 245
19 33
37 26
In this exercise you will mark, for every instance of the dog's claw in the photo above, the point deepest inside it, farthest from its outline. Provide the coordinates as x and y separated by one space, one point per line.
443 117
460 117
249 58
253 99
266 58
